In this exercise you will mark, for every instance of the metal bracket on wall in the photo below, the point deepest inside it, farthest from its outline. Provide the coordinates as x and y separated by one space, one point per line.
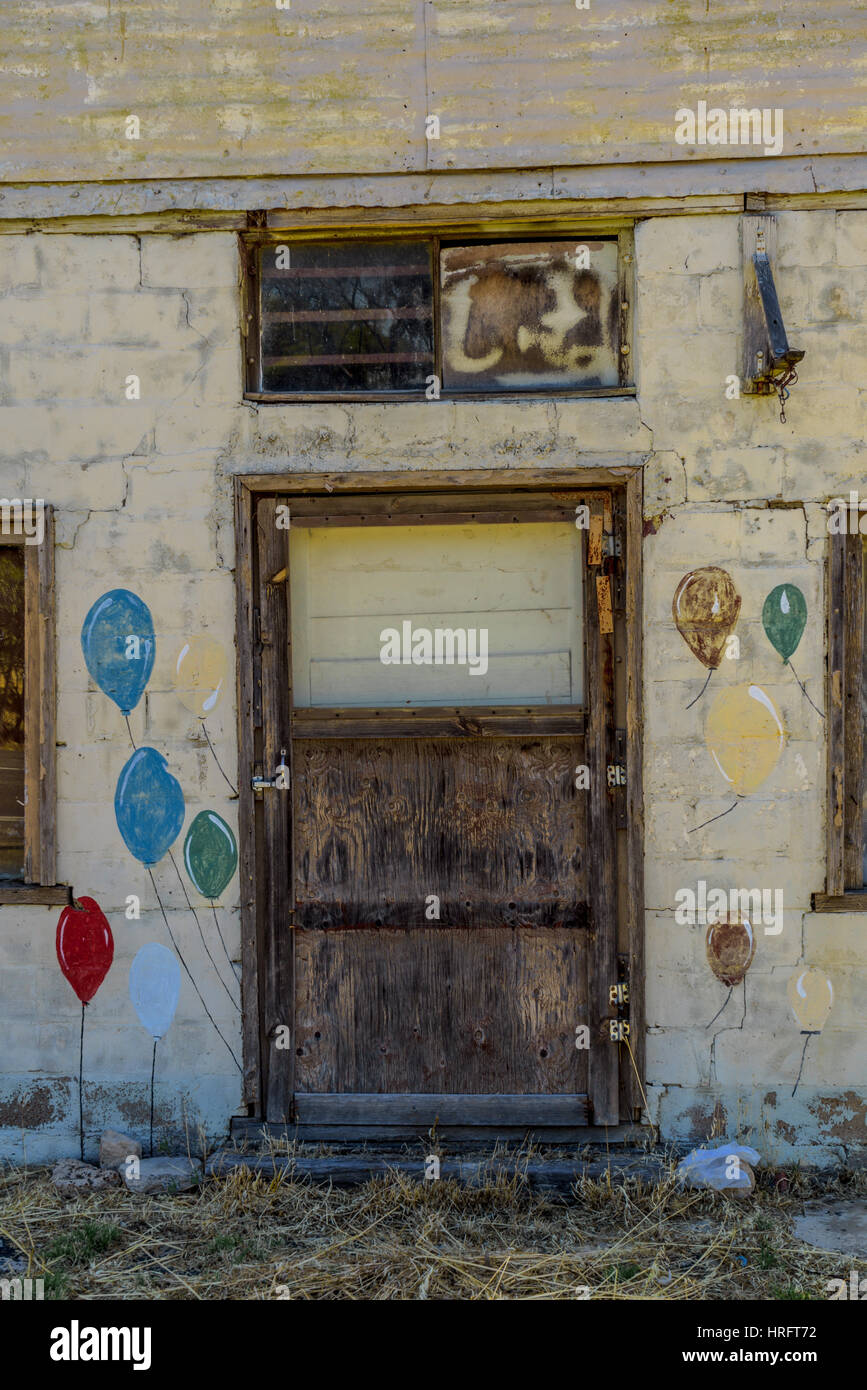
768 360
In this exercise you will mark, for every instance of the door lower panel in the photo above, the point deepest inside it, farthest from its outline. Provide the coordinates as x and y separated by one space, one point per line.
462 1011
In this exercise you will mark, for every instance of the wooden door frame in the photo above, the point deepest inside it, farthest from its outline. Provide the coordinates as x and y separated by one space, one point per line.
262 638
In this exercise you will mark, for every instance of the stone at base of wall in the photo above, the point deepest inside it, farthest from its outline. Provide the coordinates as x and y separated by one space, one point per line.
72 1178
163 1175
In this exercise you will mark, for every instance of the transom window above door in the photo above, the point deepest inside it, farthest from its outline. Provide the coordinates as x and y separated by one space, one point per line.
484 613
430 319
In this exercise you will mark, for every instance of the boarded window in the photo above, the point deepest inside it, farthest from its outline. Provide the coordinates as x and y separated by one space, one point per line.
11 712
530 316
343 317
423 319
483 614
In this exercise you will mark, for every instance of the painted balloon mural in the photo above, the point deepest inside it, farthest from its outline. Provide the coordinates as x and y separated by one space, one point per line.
210 854
200 674
154 988
85 951
730 946
811 996
784 617
744 736
119 647
117 639
201 670
148 806
705 609
85 947
211 858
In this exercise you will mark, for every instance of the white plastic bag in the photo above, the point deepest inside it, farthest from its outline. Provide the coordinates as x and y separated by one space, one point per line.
725 1168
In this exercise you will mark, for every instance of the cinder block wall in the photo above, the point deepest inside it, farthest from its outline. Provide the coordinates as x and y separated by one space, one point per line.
143 497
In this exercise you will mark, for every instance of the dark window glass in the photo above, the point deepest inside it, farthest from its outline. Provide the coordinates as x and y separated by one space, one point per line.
346 316
530 316
11 711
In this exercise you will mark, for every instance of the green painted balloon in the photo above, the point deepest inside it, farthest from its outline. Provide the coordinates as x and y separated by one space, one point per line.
210 854
784 618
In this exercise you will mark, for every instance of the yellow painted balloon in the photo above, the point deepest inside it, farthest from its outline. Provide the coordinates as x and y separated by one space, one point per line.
811 995
744 736
200 674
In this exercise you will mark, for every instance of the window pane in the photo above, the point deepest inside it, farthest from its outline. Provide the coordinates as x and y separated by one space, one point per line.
11 711
347 316
503 601
526 317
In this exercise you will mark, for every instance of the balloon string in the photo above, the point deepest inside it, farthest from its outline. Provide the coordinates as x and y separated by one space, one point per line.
220 935
202 934
189 976
719 1011
804 688
701 692
129 731
233 790
713 818
81 1086
153 1069
801 1067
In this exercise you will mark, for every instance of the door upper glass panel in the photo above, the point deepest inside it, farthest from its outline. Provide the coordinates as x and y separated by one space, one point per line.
455 614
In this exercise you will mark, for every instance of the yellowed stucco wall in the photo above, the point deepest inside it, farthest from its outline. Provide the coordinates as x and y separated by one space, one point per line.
142 492
345 86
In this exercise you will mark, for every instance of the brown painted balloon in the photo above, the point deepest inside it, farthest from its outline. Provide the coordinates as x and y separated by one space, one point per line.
705 609
730 948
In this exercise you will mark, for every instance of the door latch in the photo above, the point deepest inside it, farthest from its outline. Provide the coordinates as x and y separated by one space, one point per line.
280 780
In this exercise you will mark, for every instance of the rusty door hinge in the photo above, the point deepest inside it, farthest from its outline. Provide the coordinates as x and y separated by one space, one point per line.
616 772
618 997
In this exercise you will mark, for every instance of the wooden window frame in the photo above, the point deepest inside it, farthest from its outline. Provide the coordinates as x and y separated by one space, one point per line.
38 885
251 242
263 638
844 889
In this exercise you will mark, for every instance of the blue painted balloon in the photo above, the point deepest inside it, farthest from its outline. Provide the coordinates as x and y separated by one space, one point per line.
154 987
148 806
119 646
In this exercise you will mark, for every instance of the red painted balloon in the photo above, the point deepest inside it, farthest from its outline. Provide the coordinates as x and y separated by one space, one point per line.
85 947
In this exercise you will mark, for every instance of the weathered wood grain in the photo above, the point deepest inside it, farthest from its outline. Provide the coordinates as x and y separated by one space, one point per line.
36 895
602 859
40 757
345 1170
439 1108
463 721
494 828
635 925
246 673
464 1011
275 876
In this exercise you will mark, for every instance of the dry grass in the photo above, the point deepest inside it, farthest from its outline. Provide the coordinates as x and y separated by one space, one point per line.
246 1237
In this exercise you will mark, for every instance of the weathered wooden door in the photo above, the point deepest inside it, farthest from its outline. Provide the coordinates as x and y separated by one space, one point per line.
439 880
